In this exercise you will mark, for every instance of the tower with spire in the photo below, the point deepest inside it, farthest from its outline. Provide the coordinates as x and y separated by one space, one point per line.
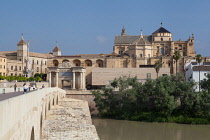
22 50
56 51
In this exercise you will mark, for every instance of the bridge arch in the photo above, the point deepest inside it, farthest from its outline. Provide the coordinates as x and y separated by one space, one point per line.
32 134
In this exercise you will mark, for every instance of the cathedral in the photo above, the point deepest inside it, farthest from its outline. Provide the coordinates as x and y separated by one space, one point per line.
135 54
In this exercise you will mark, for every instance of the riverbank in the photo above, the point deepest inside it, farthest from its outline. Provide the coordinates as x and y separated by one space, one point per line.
150 117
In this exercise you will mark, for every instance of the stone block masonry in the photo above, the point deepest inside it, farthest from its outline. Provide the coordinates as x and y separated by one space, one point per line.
70 119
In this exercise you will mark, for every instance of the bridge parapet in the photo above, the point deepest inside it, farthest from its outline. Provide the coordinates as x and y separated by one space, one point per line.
21 116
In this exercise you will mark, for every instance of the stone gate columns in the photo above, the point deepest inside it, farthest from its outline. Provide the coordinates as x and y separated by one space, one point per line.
50 79
56 79
82 80
73 86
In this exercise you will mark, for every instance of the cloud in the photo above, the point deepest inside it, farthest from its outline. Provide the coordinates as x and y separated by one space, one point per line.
101 39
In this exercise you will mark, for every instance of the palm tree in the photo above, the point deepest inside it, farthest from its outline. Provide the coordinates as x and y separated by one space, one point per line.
176 57
199 60
157 67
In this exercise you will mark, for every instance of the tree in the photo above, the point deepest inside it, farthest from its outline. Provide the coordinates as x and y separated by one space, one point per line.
205 84
176 57
157 66
199 60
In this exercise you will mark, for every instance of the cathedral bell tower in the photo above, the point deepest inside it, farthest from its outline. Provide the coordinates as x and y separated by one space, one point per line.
22 50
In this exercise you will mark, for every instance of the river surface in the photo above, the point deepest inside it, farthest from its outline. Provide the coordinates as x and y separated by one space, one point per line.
109 129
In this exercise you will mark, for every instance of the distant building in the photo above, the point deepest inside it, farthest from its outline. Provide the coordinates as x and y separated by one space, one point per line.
129 51
21 61
192 71
3 66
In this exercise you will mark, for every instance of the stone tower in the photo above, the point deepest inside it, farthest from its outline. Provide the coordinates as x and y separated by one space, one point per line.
56 51
22 50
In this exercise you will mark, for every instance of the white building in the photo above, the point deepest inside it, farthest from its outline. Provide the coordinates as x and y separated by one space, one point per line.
192 71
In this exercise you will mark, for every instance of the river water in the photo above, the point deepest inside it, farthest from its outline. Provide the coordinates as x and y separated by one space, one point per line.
109 129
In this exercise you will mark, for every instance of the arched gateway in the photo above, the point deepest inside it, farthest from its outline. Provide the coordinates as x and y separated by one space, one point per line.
67 76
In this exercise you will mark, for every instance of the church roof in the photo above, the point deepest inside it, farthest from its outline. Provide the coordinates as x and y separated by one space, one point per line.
21 42
161 30
142 41
127 39
56 49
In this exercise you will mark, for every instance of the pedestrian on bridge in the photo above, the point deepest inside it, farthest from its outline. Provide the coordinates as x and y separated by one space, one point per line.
15 87
25 88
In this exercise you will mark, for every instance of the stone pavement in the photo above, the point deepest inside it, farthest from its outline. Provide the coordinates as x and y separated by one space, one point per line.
69 120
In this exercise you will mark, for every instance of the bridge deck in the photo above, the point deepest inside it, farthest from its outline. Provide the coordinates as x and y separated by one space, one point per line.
10 95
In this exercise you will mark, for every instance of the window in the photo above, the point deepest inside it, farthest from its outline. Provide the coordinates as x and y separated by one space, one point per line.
4 60
148 55
148 75
0 66
169 39
15 68
162 51
205 74
45 62
140 55
11 67
1 60
161 39
164 74
133 55
19 67
37 69
37 62
120 52
11 74
4 67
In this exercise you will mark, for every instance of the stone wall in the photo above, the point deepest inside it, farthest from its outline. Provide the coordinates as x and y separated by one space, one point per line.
84 95
102 76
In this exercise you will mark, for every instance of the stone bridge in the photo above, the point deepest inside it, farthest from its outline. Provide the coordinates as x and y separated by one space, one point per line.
45 115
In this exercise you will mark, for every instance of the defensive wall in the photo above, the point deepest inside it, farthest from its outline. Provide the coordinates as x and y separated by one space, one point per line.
45 115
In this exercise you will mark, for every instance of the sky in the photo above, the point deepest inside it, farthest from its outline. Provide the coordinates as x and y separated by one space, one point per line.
90 26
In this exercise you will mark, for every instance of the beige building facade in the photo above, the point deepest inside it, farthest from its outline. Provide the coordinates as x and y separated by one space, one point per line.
21 61
129 51
3 66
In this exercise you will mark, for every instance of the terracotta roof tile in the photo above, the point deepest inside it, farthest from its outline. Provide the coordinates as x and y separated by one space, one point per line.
201 68
56 49
22 42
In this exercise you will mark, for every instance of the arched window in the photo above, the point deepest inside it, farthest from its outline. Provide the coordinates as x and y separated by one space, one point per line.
99 63
77 63
88 63
55 63
161 39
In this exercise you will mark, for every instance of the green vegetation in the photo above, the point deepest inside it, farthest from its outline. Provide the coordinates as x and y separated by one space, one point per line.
166 99
37 77
176 57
